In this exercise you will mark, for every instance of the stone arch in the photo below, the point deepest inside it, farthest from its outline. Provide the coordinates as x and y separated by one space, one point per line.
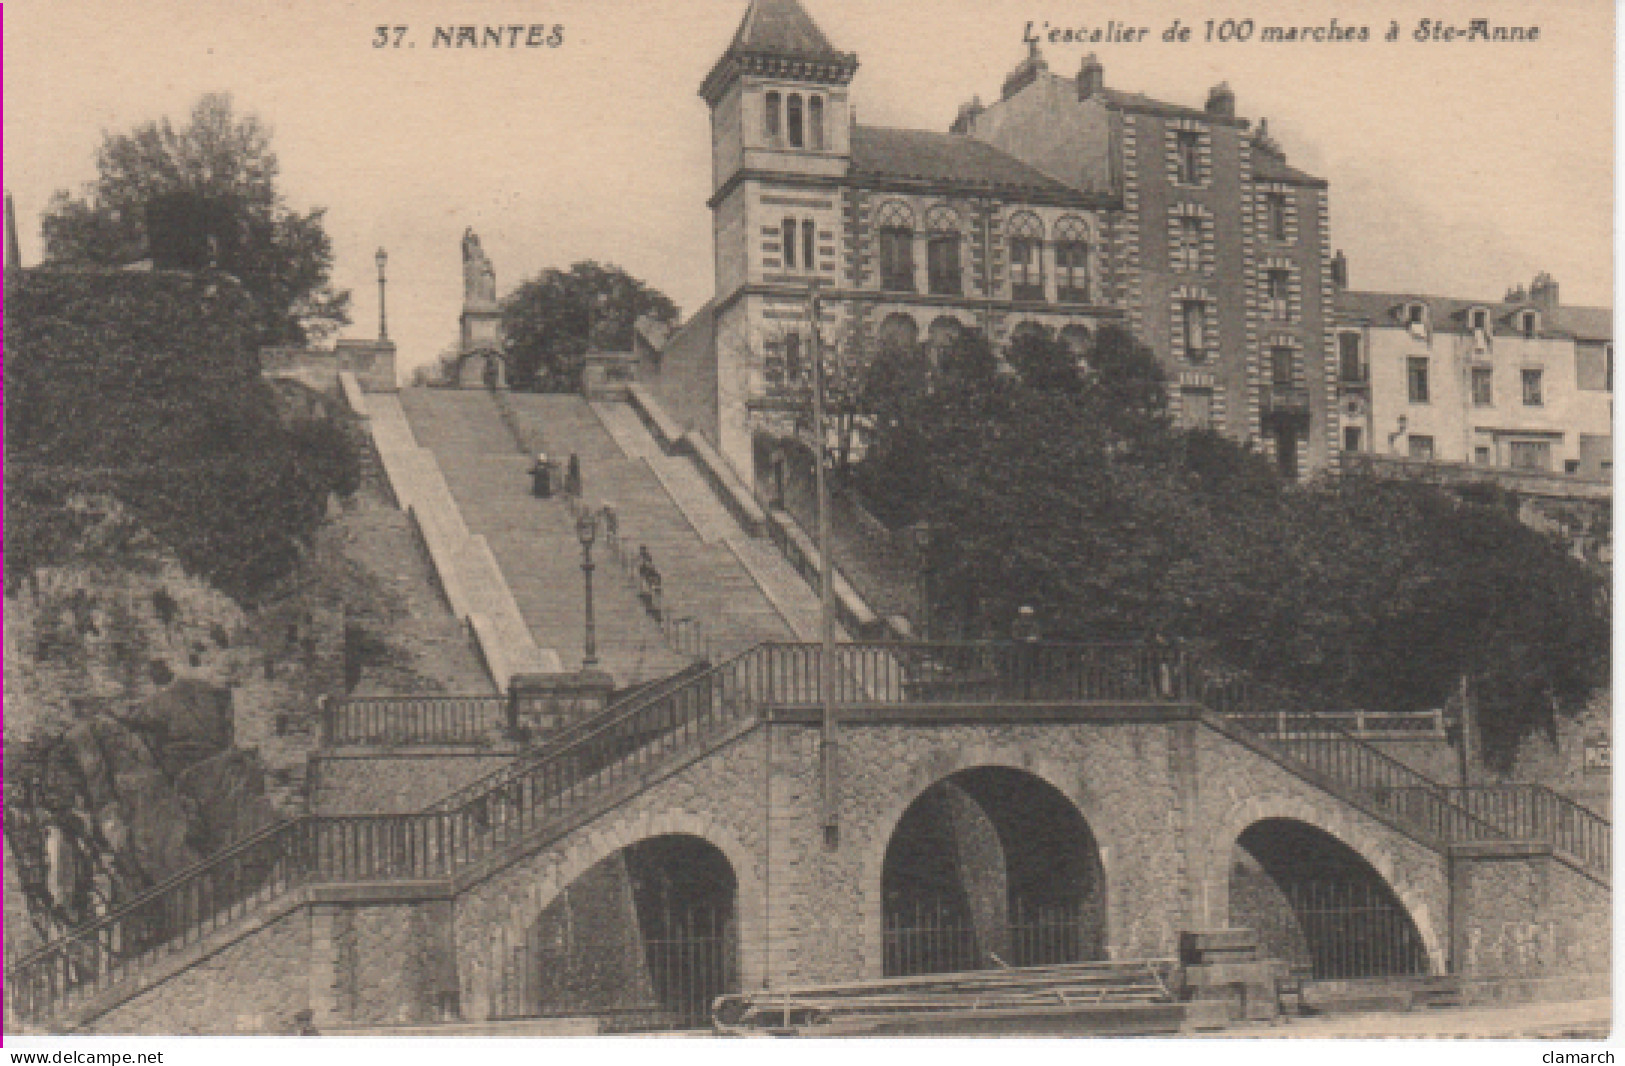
1346 829
945 763
1078 339
943 331
587 847
476 369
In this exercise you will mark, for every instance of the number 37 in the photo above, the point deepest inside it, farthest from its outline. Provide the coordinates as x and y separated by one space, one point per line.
382 40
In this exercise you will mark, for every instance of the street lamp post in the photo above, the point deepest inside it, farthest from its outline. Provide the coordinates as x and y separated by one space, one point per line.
382 259
586 531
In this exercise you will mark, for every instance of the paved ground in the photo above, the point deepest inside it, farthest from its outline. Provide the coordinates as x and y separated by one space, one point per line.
1588 1019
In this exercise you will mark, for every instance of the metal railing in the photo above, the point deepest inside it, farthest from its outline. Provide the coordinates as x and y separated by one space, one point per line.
1535 812
592 759
389 721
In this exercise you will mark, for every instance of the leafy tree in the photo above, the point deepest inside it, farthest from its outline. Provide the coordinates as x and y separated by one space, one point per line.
138 414
551 321
1068 489
283 258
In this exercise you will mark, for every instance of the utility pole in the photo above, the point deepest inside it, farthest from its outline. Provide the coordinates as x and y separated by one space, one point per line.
829 749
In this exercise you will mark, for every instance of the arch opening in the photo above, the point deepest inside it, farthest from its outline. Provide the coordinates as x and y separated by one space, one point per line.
648 935
1317 904
991 866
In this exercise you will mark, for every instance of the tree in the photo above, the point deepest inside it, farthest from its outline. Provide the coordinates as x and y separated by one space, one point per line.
1067 488
551 321
283 258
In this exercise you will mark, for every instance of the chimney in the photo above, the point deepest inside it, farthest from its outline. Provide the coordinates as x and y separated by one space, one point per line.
967 116
1543 292
1091 77
1026 72
1340 271
1221 101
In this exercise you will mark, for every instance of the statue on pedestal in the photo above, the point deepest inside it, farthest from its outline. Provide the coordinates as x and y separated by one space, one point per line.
479 278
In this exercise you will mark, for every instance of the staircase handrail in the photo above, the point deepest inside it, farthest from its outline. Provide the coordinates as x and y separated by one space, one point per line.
1542 813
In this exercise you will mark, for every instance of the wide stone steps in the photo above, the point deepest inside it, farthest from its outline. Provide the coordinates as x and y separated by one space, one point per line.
534 541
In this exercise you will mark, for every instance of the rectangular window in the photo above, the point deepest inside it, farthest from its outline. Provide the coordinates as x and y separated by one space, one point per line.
1416 376
1277 286
1188 252
1481 320
1533 394
1189 149
1351 438
789 241
809 245
897 260
1481 455
772 118
1275 216
1348 358
815 122
1193 315
1072 271
942 263
1026 269
1483 387
792 119
1281 366
1529 454
1196 408
1421 446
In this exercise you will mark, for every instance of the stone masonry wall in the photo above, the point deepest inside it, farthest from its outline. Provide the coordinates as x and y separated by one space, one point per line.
403 781
255 985
1530 917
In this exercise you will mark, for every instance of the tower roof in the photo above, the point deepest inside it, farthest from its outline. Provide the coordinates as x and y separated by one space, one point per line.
780 27
777 38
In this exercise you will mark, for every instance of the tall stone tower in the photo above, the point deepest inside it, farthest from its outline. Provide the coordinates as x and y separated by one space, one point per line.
780 142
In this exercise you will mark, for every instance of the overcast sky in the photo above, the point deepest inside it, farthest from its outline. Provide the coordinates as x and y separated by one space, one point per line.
1456 168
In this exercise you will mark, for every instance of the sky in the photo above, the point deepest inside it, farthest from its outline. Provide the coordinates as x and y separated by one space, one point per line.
1456 168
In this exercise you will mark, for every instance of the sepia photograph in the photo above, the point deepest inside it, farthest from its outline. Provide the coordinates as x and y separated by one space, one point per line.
808 518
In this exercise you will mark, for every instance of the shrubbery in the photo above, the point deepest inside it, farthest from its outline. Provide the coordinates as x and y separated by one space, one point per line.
144 389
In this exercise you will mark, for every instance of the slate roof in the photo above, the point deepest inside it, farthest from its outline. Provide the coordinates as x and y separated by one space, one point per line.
951 159
1449 314
780 27
1267 167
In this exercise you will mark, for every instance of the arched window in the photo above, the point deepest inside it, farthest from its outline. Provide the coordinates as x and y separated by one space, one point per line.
792 120
1026 238
815 122
772 117
1078 340
1072 259
896 225
899 331
809 242
944 331
942 251
789 241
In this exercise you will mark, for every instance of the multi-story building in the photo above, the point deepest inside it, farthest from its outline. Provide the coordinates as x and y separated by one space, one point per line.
1520 383
1223 247
1064 205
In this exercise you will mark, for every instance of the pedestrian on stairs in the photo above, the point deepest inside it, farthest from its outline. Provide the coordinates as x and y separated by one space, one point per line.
541 478
572 477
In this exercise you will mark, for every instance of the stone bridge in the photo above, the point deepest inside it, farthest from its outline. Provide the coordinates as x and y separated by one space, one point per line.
969 829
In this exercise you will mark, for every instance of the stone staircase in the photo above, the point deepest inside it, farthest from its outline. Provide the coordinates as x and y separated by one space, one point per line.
739 589
534 541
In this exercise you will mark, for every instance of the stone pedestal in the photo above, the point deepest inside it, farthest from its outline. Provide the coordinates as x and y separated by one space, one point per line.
1222 965
540 704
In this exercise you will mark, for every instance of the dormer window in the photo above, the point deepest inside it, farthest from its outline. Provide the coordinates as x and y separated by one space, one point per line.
1416 315
1529 323
815 123
1479 319
792 121
772 124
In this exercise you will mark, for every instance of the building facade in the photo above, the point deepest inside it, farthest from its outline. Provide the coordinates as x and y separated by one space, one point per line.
1064 205
1522 383
1225 259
